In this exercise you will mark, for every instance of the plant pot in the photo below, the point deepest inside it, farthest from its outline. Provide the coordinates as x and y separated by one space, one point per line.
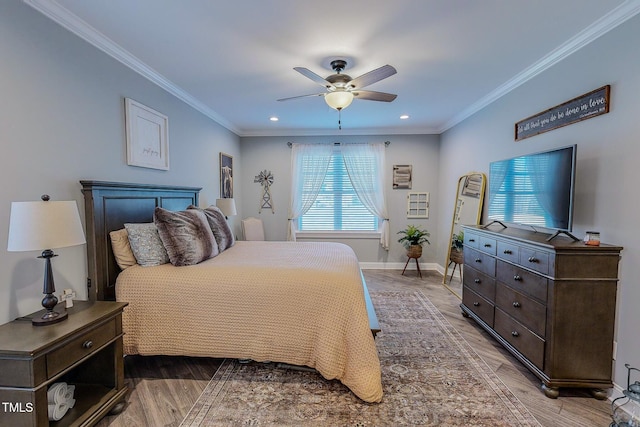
456 256
414 251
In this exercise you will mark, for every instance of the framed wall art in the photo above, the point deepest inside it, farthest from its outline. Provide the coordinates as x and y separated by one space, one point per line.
147 136
587 106
418 205
402 177
226 176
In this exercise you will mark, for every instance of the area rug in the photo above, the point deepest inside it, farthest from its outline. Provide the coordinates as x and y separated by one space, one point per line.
430 375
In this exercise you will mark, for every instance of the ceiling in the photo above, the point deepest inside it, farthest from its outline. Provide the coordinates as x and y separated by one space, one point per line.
232 60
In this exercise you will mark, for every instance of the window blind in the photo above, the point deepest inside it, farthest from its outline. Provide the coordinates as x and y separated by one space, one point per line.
337 207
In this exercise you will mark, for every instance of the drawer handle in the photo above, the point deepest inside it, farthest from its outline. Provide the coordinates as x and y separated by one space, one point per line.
87 344
487 245
516 304
507 252
476 304
478 260
533 259
472 240
515 334
477 281
517 278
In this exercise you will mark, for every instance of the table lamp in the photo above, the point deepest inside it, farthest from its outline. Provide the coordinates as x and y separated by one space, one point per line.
44 226
227 207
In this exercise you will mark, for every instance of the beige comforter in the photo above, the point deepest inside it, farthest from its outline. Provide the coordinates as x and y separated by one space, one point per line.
294 302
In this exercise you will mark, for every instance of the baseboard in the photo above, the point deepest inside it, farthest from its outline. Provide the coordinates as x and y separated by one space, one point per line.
424 266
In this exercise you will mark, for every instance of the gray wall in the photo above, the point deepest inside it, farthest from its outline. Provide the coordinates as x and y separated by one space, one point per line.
62 120
272 153
608 153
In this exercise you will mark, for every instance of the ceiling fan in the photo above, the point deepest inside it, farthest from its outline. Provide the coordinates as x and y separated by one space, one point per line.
342 89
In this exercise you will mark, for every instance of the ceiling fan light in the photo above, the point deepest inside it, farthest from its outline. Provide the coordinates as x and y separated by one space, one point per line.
339 99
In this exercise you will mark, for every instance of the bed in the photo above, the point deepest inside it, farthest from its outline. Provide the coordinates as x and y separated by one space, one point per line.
298 303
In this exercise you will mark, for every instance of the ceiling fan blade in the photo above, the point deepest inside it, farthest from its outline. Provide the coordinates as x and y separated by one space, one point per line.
370 95
372 76
313 76
301 96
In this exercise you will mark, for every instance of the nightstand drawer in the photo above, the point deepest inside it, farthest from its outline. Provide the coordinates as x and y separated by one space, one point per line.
80 347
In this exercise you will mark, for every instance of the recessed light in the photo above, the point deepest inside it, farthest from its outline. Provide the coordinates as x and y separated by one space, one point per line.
404 116
274 119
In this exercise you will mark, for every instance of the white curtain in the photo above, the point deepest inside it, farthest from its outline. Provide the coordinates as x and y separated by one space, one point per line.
365 164
309 164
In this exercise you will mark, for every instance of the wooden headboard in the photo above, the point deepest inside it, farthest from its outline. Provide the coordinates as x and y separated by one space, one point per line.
108 206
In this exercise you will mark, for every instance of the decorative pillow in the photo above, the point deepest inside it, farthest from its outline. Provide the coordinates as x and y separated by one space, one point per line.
219 226
186 236
146 244
122 249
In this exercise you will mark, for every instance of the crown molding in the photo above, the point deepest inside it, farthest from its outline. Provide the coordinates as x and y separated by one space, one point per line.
608 22
339 132
77 26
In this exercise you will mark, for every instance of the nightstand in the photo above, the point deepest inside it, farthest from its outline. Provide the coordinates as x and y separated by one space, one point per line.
84 350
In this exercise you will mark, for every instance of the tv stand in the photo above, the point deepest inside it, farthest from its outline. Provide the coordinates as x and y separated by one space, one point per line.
559 232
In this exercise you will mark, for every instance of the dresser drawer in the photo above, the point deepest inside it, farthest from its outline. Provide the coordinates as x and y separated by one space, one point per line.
80 347
535 260
471 240
508 251
479 305
522 280
524 309
526 342
487 245
481 262
480 283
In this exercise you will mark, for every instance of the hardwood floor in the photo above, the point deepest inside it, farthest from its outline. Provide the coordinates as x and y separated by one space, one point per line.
163 389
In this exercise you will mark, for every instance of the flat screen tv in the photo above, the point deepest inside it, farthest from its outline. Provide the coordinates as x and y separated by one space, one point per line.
534 190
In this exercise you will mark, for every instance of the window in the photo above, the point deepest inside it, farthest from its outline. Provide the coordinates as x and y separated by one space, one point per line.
337 207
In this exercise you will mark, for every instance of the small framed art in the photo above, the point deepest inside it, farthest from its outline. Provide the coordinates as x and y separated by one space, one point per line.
147 136
226 176
402 177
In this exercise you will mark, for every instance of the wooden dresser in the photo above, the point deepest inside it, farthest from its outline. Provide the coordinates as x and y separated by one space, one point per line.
84 350
551 304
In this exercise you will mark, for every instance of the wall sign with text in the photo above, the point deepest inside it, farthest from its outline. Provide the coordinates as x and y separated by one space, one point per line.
584 107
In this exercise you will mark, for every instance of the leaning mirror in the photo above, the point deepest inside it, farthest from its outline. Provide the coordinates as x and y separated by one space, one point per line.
467 210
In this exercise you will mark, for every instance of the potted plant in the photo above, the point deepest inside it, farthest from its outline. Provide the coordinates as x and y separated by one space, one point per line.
457 243
413 237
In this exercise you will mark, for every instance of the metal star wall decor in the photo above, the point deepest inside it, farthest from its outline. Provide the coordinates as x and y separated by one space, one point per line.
265 178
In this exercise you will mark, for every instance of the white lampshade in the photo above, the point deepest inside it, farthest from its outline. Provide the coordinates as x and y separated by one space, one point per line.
36 226
227 206
338 99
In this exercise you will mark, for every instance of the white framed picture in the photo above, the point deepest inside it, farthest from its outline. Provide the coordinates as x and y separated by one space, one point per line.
147 136
418 205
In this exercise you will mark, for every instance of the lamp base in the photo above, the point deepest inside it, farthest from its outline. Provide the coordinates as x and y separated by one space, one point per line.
49 318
